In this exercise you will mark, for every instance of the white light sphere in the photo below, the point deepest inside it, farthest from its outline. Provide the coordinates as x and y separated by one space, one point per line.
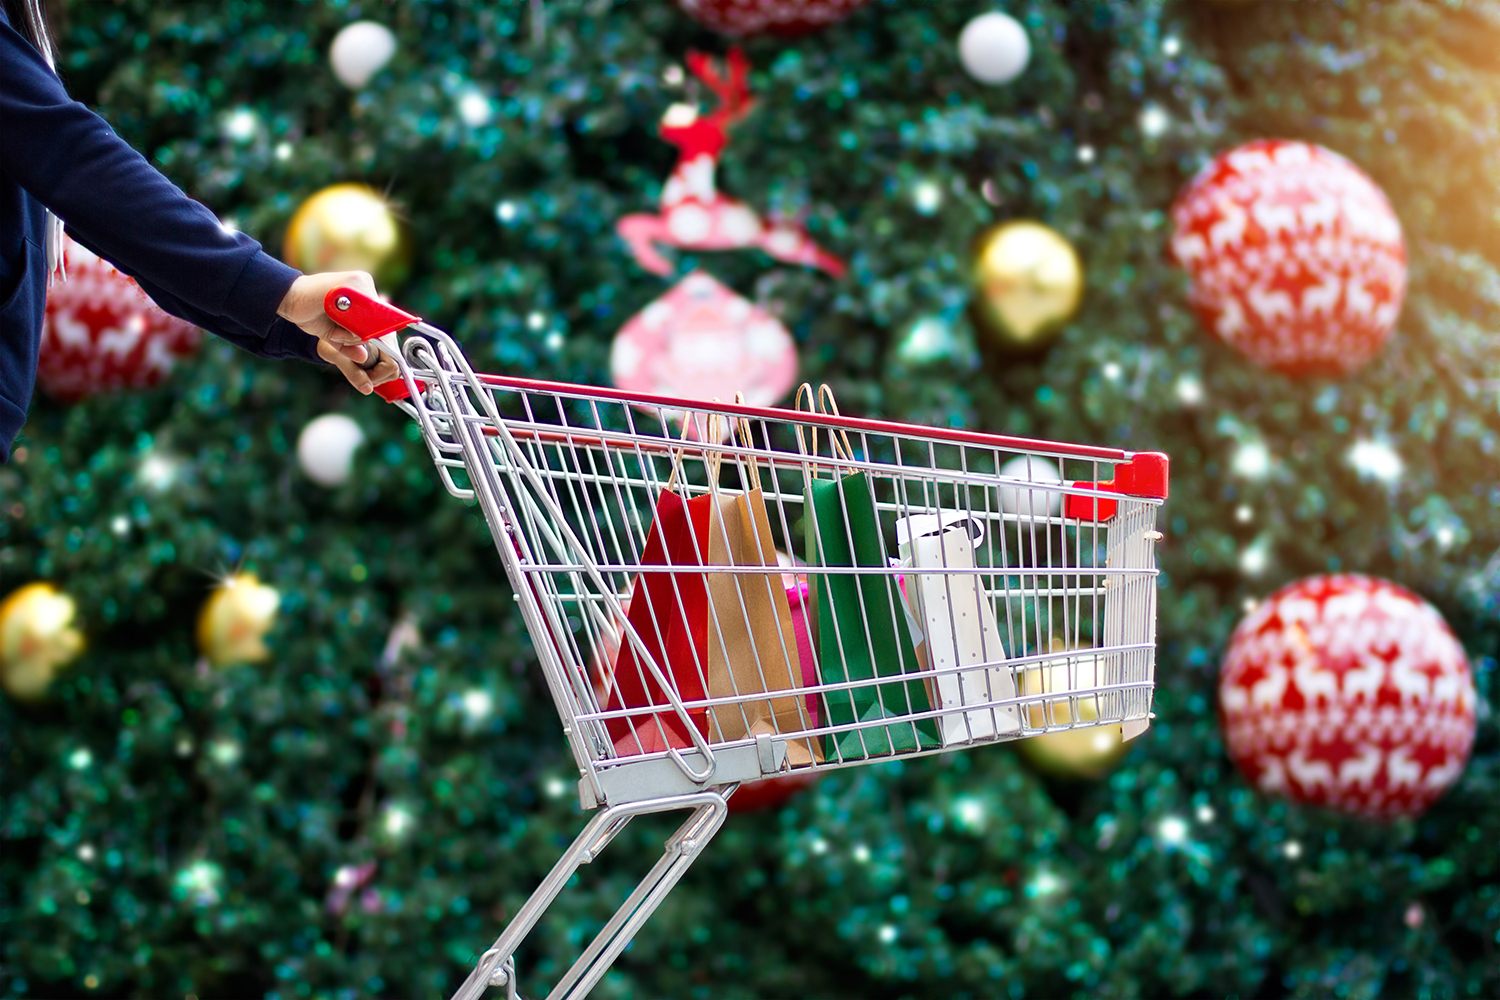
325 448
359 51
1031 502
994 48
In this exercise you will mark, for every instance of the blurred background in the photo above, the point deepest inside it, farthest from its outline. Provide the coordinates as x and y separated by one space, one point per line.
272 726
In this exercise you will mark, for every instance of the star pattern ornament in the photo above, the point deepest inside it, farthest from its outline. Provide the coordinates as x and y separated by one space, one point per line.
785 18
235 619
1295 255
37 639
1350 692
102 333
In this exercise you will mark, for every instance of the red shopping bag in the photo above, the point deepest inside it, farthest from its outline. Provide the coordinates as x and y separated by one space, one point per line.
669 611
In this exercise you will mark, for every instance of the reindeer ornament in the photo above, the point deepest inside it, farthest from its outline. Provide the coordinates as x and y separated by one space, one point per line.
1349 692
694 215
1295 255
103 333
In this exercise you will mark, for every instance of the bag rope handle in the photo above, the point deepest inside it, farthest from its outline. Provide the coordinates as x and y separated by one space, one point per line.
743 432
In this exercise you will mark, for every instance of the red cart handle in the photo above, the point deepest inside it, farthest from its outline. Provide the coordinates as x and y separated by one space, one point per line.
361 315
368 319
1145 475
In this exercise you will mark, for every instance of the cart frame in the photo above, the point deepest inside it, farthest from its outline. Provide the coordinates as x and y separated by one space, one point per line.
562 474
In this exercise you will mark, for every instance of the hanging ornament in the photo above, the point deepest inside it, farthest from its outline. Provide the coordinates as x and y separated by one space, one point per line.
349 227
37 639
701 341
784 18
102 333
1295 256
994 48
235 620
694 215
325 448
1027 283
1088 753
359 51
1350 692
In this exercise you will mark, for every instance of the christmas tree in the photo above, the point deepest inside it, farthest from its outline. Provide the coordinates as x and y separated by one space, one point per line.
362 812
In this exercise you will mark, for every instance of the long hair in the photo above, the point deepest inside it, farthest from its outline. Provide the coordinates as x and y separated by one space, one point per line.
29 17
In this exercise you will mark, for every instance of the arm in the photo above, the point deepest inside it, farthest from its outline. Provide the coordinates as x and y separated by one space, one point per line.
123 209
70 160
281 340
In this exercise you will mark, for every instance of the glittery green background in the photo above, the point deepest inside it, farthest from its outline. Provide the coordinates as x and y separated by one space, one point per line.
167 830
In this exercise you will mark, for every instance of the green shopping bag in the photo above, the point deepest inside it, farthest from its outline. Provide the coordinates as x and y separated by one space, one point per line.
862 629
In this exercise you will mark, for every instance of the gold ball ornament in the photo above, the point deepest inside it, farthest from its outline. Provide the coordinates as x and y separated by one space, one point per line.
349 227
1027 282
1088 753
37 639
234 622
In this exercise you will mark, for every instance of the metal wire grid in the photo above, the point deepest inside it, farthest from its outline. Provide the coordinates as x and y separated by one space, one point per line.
570 479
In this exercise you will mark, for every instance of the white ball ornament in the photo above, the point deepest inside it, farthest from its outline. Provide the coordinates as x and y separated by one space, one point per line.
994 48
325 448
359 51
1031 502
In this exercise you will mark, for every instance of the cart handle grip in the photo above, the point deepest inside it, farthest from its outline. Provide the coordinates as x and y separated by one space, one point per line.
369 318
364 316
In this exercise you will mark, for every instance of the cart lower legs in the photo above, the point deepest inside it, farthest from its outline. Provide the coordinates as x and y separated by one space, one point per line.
496 967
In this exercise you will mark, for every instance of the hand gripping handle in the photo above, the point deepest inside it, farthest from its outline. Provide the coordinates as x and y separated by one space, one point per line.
369 318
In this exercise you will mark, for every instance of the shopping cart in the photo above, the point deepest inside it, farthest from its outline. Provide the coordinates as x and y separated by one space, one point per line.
953 589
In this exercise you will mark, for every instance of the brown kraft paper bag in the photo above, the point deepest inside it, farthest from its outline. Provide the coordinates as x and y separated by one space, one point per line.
752 644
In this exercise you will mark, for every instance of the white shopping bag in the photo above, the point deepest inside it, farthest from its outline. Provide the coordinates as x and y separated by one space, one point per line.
954 624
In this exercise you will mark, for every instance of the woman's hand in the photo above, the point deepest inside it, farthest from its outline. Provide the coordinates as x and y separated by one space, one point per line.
303 305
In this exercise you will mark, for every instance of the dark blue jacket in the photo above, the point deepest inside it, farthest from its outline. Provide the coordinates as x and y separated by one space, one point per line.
57 154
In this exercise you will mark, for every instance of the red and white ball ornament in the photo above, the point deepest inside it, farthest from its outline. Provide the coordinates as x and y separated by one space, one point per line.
701 341
1350 692
786 18
1295 256
103 333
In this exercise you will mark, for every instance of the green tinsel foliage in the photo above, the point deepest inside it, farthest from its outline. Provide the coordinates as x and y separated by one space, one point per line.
170 828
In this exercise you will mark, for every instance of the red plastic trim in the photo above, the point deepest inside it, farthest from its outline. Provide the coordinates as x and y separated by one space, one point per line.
1000 441
367 317
396 390
1145 475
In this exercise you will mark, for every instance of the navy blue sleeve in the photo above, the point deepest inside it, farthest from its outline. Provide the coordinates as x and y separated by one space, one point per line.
123 209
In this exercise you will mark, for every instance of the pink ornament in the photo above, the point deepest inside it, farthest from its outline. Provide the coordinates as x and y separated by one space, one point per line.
1295 256
1350 692
786 18
701 341
102 333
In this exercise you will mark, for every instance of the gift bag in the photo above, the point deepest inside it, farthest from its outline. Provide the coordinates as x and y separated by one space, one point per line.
752 645
802 615
669 611
957 626
862 629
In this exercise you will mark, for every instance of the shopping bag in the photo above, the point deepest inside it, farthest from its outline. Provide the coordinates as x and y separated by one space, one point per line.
862 629
957 625
752 639
752 646
669 612
803 614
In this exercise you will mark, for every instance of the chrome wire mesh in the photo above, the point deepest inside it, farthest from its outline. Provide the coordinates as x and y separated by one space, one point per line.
1034 621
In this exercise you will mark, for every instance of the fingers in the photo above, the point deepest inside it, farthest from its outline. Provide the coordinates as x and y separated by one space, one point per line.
347 361
337 357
